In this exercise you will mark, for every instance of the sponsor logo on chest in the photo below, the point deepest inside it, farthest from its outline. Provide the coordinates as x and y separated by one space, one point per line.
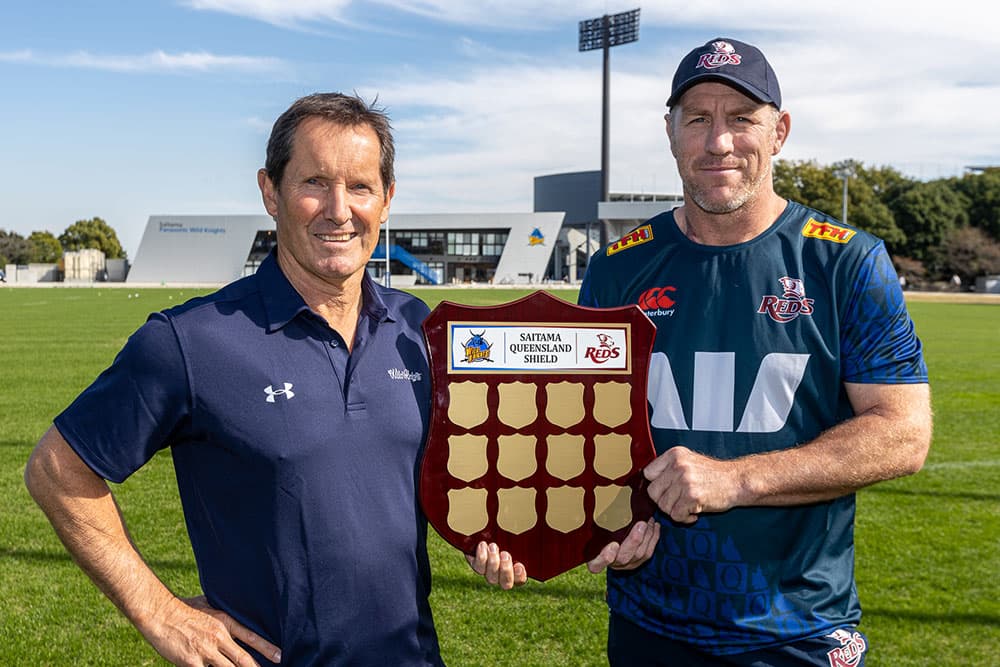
658 301
405 374
272 392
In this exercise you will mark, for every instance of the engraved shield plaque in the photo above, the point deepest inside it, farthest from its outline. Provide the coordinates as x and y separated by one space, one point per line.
539 428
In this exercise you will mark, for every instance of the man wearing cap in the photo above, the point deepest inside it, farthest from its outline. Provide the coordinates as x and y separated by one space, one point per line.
785 376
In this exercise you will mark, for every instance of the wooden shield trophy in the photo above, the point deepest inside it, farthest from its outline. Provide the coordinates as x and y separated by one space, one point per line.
539 428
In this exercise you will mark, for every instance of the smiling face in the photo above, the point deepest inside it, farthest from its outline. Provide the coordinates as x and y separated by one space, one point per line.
329 205
723 142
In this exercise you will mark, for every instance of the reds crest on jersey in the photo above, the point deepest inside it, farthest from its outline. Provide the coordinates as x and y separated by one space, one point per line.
539 428
790 304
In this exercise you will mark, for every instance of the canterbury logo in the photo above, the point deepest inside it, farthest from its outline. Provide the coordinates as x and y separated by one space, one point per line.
633 238
286 392
827 232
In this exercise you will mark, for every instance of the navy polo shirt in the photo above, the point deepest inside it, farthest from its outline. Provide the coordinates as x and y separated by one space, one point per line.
297 461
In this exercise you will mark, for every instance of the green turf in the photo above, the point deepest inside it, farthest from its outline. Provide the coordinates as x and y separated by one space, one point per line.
928 546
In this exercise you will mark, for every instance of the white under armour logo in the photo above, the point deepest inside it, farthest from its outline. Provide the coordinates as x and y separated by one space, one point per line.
271 393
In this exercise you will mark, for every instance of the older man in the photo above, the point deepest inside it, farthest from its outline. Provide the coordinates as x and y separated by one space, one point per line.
294 441
786 376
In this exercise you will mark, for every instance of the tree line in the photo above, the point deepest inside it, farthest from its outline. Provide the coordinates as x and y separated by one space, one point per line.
44 248
932 229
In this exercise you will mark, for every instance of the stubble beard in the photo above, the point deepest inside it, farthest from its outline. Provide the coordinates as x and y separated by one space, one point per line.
747 193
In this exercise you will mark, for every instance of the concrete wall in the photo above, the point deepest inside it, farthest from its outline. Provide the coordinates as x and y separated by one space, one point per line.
31 273
83 266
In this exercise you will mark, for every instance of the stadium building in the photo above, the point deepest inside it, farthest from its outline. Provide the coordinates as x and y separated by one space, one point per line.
552 243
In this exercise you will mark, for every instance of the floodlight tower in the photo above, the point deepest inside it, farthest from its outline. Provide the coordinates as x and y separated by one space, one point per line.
603 33
845 170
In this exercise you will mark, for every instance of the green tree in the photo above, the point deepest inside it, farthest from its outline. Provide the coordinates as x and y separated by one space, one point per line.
45 247
14 248
820 188
926 213
93 233
983 193
968 253
886 182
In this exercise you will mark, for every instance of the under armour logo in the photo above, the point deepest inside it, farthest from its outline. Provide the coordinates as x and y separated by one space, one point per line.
286 392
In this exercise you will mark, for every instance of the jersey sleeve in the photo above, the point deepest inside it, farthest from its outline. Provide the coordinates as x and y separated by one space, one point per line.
878 341
134 407
586 296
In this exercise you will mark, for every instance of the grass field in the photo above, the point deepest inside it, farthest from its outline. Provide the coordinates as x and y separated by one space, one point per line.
928 546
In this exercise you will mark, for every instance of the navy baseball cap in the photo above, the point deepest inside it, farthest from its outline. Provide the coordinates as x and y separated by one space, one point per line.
731 62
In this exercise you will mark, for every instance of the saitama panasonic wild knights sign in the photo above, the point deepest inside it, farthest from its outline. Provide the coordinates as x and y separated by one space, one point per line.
539 428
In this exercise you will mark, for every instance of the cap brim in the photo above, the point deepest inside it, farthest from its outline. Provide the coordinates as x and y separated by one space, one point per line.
733 82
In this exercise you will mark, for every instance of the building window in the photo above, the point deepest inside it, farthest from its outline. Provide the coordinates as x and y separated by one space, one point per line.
463 244
493 243
437 268
418 243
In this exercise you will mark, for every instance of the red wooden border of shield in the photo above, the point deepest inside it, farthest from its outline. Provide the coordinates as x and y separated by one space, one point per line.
544 552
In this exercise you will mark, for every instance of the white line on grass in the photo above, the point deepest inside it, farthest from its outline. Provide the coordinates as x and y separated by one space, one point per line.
946 465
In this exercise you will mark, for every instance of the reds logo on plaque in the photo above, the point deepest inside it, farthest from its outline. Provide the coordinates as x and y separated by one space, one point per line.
539 428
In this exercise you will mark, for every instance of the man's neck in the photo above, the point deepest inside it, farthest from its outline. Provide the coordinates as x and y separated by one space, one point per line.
722 229
338 303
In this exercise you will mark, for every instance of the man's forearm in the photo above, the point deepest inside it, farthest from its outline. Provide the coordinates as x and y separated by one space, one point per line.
85 516
889 438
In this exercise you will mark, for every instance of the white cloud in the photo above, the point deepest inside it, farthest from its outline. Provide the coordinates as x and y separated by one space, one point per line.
911 89
154 61
284 13
969 19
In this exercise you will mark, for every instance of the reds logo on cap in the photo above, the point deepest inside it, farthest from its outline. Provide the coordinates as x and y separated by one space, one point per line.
724 54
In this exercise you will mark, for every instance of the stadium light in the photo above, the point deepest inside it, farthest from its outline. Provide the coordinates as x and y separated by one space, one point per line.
603 33
845 170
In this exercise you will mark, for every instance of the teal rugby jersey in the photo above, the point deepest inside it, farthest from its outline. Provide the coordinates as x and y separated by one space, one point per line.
754 342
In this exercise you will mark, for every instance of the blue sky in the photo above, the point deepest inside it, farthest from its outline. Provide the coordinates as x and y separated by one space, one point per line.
123 109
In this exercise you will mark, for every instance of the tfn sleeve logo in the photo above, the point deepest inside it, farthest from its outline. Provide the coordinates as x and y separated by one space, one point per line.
633 238
827 232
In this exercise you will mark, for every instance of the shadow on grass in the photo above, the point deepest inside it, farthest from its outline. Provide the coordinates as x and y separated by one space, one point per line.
41 556
25 444
963 495
989 620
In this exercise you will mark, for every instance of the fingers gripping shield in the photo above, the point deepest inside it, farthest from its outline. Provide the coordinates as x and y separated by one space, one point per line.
539 428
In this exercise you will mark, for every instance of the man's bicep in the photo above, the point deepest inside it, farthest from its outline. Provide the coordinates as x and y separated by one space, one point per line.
904 399
54 468
902 421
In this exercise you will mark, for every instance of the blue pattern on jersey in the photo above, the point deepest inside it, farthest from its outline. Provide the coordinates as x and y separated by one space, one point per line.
755 577
873 352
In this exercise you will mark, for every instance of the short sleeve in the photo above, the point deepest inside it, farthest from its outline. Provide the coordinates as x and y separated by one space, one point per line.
878 342
134 408
586 296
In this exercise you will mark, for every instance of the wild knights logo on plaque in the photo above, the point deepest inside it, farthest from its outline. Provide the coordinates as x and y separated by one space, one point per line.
539 428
